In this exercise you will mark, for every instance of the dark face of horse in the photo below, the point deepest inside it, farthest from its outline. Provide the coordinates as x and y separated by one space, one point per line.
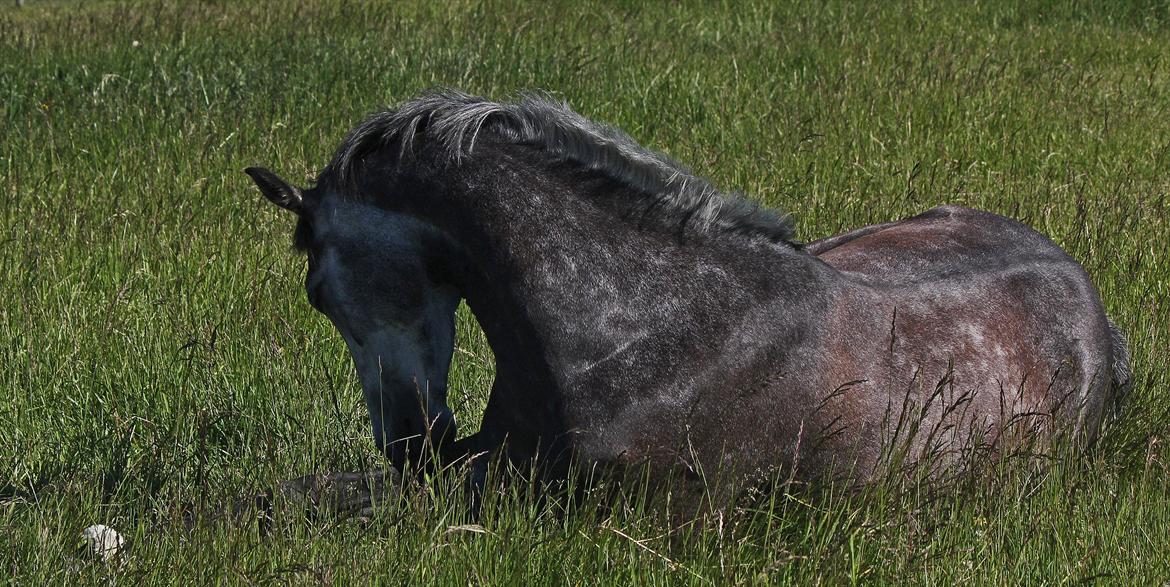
398 323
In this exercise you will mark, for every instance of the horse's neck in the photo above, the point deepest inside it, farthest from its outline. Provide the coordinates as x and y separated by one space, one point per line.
566 291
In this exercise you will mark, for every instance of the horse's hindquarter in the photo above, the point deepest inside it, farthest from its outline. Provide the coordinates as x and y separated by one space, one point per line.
959 327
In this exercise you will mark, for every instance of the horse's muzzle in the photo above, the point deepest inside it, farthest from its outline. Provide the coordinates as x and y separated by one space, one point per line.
417 450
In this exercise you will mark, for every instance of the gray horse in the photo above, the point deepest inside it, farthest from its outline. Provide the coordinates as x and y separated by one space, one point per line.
640 317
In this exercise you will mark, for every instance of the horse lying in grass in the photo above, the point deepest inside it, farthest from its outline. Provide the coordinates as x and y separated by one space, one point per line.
638 316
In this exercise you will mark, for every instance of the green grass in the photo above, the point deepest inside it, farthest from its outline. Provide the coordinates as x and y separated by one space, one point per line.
158 350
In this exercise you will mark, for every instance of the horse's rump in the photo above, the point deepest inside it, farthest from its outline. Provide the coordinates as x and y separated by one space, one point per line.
972 323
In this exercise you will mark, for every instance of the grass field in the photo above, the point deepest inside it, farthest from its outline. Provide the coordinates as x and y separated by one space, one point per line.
158 349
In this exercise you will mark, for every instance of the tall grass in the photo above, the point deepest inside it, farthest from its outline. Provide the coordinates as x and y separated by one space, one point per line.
158 350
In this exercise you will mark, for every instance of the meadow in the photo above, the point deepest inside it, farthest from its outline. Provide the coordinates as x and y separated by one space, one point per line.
158 350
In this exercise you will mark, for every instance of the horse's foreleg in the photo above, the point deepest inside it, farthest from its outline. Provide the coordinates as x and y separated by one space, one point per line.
345 495
332 495
339 494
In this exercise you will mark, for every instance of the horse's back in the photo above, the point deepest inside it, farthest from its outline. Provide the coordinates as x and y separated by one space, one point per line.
941 243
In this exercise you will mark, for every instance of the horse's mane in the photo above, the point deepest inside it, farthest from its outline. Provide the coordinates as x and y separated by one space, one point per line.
455 121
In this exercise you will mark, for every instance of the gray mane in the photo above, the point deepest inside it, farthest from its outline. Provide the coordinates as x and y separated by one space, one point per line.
455 121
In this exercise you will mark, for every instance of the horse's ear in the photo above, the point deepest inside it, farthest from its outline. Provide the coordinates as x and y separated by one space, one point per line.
277 190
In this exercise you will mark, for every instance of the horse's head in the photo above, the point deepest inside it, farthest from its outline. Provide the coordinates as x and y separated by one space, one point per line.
369 273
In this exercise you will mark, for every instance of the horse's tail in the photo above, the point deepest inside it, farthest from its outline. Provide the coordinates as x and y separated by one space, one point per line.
1122 369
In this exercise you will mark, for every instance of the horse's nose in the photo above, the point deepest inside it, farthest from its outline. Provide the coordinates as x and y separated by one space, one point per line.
421 439
406 453
442 428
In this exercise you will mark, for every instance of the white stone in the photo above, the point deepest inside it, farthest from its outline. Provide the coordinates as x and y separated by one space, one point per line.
103 541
